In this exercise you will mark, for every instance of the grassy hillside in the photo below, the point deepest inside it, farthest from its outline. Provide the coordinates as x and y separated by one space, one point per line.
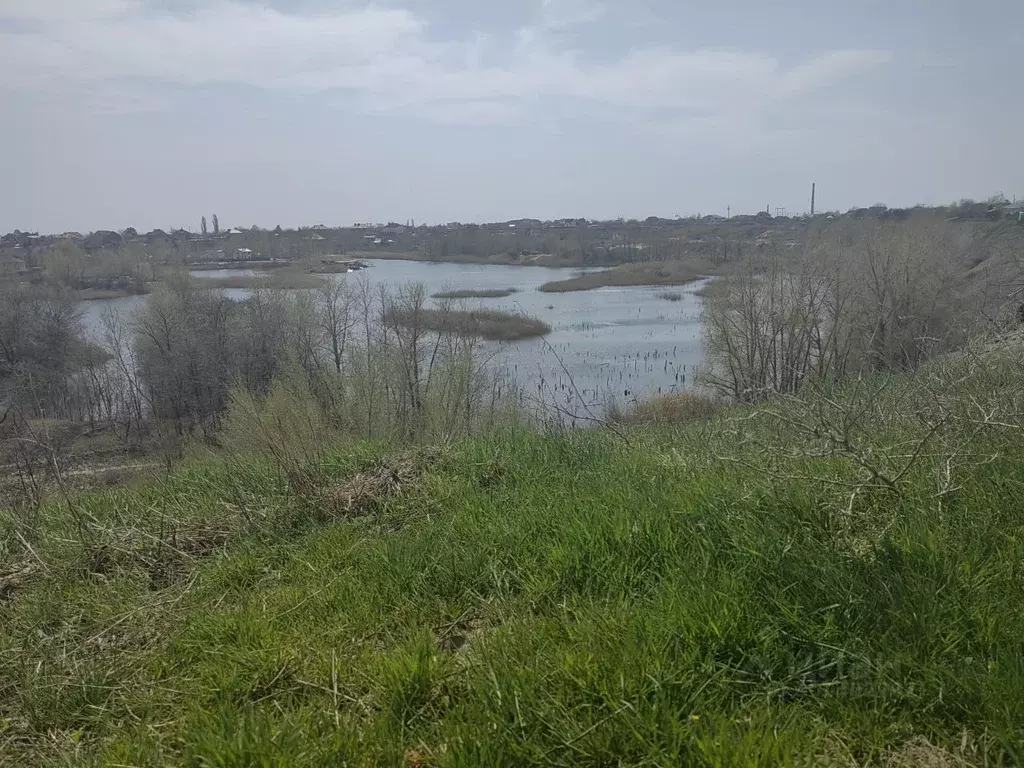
835 580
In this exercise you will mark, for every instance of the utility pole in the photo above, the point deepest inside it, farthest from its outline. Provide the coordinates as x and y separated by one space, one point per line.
813 190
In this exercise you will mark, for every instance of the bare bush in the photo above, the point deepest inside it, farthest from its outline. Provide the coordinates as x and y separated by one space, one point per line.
364 365
286 426
433 382
765 334
881 432
881 298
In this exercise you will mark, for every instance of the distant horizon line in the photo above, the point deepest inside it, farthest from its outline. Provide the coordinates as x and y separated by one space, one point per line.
776 212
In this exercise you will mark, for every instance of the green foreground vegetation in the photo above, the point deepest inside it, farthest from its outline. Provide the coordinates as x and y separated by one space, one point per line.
832 579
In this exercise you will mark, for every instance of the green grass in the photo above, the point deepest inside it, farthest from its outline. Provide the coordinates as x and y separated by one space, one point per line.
711 595
490 293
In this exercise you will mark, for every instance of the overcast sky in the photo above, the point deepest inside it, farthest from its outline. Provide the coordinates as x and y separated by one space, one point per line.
151 113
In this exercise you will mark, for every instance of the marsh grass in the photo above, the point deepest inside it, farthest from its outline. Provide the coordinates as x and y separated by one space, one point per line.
496 293
477 323
677 408
714 289
643 273
706 595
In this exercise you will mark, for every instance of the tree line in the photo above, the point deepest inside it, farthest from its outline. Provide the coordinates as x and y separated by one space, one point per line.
171 372
852 298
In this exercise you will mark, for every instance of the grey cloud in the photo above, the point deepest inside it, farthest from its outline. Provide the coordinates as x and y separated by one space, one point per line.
65 10
152 112
388 57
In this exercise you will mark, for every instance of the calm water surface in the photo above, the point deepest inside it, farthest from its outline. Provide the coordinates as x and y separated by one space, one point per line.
615 343
612 343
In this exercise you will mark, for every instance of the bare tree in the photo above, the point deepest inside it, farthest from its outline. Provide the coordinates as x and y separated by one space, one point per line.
414 353
883 296
263 345
187 344
367 382
136 406
334 312
767 332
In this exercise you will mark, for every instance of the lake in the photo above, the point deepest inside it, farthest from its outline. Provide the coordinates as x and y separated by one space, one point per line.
608 344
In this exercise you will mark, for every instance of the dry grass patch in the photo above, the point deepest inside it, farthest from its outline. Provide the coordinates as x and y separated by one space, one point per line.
675 409
359 494
916 752
13 577
165 559
920 752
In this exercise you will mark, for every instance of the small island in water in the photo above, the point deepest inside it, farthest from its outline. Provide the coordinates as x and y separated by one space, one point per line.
487 293
482 323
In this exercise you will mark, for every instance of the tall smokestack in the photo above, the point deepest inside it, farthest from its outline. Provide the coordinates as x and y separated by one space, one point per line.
813 190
